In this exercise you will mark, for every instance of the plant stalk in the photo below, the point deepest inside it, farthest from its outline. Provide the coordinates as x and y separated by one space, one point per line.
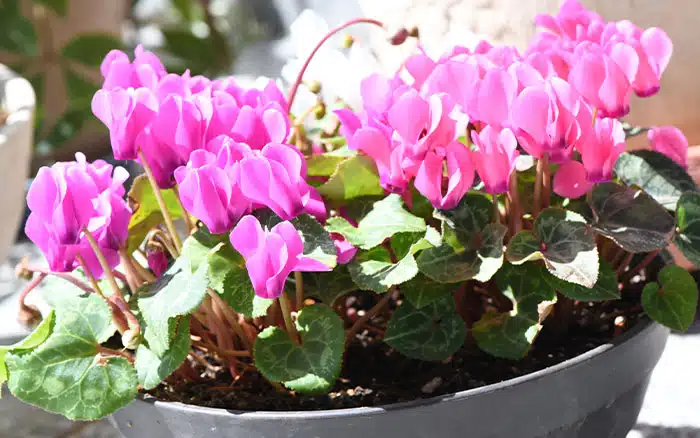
625 262
161 203
299 288
546 181
641 265
367 316
287 315
515 213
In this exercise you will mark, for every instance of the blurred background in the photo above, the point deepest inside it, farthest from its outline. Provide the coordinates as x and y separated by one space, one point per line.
50 52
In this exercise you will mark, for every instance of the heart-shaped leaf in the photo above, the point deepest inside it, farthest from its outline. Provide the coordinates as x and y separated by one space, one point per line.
510 335
471 215
421 291
433 332
311 367
329 286
152 368
323 164
674 302
688 231
606 288
374 269
179 291
388 217
317 242
658 175
355 177
631 218
146 213
505 336
446 264
33 340
565 242
67 374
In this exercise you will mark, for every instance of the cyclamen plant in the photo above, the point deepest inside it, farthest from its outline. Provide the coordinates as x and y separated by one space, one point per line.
478 196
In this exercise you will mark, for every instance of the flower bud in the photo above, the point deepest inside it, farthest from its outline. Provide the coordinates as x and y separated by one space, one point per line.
320 111
22 272
399 37
348 40
131 339
314 86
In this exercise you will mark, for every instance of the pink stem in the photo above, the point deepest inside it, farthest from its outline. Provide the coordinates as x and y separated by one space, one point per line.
63 275
293 90
30 287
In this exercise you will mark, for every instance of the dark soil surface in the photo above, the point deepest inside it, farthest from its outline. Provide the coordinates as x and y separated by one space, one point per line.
374 374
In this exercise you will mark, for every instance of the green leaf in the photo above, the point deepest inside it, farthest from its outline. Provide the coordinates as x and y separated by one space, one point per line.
565 242
58 6
387 218
630 217
311 367
33 340
67 374
434 332
18 34
152 368
238 292
179 291
472 214
505 336
184 7
146 213
510 335
90 48
318 244
446 264
688 232
606 288
197 54
324 164
421 291
375 271
661 177
329 286
674 302
354 177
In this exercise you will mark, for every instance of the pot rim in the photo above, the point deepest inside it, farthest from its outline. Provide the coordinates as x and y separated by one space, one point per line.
643 326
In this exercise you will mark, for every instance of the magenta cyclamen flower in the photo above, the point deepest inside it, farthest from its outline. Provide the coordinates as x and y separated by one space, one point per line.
494 157
600 148
126 113
276 178
550 118
671 142
571 180
157 261
145 71
460 175
211 193
68 197
271 255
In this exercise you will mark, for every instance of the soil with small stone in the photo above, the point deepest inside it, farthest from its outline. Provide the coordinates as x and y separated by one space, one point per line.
374 374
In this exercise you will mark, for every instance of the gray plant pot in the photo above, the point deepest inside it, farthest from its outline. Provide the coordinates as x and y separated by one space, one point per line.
595 395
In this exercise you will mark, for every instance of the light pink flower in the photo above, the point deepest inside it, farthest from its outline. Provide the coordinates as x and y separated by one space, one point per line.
494 157
600 149
460 175
271 255
671 142
571 180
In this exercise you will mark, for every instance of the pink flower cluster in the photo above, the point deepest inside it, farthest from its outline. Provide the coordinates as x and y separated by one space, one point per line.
68 198
563 95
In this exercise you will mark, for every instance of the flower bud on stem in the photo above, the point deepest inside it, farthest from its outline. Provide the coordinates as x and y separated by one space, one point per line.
161 203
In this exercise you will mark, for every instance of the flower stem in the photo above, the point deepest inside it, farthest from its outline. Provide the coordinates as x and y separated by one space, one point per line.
117 298
142 272
299 287
625 262
367 316
496 209
161 203
88 274
546 181
36 281
297 82
641 265
133 279
537 199
287 315
231 318
63 275
515 215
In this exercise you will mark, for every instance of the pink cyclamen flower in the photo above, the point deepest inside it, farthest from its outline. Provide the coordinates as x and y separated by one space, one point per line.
271 255
126 113
494 157
550 118
600 149
344 249
604 79
211 193
145 71
671 142
460 175
276 178
69 197
571 180
572 21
